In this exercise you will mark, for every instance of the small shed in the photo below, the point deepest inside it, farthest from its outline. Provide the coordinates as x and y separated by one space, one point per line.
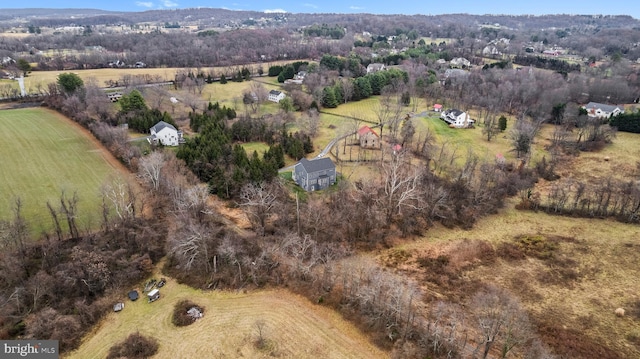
133 295
118 307
153 295
437 107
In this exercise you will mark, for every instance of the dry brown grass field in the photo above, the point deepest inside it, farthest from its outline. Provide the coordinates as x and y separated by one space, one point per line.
101 76
594 271
570 292
293 327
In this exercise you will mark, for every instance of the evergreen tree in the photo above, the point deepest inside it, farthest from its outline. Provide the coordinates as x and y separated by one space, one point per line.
132 102
329 98
502 123
70 82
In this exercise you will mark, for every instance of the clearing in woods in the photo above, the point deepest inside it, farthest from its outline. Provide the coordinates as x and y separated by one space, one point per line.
45 153
293 327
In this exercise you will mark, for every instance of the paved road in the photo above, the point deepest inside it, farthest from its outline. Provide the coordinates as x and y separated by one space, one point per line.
322 153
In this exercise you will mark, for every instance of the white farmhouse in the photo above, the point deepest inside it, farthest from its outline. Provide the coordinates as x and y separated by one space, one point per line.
600 110
375 67
276 96
165 134
456 118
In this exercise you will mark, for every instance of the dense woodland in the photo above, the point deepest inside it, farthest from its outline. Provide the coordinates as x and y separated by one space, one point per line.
59 286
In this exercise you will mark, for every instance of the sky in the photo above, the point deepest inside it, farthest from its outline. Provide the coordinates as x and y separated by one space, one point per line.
428 7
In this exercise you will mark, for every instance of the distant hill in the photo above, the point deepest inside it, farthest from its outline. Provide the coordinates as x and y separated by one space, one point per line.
357 22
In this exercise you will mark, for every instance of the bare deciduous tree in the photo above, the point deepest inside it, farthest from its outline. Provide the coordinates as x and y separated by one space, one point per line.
150 168
522 135
309 122
258 201
121 197
501 321
401 187
191 246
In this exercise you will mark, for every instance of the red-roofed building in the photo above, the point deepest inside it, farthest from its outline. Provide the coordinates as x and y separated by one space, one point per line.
368 138
396 148
437 107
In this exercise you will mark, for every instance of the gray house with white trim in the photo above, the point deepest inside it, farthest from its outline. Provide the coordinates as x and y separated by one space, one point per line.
314 175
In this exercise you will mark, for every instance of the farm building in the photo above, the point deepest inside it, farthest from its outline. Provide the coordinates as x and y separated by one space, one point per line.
165 134
368 138
313 175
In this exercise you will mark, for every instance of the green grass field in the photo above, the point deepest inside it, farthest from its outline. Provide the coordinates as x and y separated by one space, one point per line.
363 109
44 154
259 147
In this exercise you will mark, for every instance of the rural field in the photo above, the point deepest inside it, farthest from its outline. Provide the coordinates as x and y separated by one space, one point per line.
293 327
44 154
592 270
40 79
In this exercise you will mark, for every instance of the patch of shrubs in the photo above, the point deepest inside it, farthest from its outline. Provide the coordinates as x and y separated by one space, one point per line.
181 317
136 346
572 343
537 246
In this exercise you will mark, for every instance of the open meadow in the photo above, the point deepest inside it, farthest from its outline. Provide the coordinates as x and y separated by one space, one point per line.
40 79
293 327
45 153
570 291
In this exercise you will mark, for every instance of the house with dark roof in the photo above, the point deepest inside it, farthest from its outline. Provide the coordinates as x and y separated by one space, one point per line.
368 138
456 118
276 96
314 175
166 134
600 110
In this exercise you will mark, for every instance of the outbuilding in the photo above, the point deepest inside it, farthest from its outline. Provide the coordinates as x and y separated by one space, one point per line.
153 295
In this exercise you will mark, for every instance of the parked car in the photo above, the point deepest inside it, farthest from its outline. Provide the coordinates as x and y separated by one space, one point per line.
161 283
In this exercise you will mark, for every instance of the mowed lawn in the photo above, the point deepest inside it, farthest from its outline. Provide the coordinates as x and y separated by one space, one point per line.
293 327
43 154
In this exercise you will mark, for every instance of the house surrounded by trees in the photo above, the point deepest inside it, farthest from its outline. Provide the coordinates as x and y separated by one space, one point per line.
600 110
457 118
276 96
314 175
368 138
166 134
